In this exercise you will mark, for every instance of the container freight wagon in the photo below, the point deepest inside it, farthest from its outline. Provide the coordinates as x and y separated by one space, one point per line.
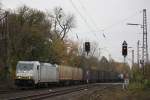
69 74
90 75
94 76
114 77
77 74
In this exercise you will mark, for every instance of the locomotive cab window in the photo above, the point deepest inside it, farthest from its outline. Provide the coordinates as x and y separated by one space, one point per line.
38 67
24 67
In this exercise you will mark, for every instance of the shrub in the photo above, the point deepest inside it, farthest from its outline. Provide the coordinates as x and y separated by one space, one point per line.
136 86
147 83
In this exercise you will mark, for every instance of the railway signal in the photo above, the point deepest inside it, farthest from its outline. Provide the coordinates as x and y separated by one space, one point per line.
87 47
124 49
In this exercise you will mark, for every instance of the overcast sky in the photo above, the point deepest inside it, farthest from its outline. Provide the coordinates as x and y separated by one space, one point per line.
101 21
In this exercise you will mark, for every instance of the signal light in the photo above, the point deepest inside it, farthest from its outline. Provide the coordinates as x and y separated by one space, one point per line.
87 46
124 49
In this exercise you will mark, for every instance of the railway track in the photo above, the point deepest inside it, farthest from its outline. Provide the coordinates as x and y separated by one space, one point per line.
48 94
4 91
9 91
17 90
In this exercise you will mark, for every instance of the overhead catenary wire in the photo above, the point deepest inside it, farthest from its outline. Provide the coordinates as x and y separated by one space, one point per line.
121 21
74 6
82 17
112 25
90 17
108 27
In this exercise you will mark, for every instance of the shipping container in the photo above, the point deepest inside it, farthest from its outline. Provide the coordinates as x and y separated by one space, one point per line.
65 72
77 73
70 73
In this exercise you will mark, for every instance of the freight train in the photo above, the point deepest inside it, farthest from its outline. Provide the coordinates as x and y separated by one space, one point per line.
34 73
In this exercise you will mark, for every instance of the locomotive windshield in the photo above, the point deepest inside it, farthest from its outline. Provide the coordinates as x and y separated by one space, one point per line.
24 67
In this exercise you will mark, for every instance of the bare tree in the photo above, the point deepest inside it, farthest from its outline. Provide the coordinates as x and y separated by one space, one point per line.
62 23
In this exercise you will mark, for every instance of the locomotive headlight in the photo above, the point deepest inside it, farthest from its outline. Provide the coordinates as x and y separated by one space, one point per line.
29 77
19 77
